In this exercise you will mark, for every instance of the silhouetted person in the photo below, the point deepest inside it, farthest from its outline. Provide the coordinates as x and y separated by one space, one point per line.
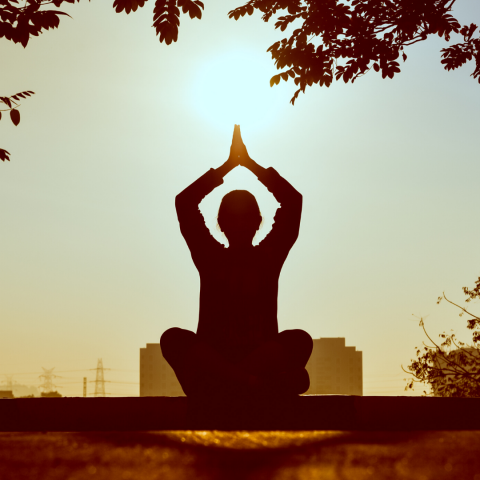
237 348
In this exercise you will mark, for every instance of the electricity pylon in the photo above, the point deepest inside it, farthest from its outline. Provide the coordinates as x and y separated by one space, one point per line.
8 382
99 380
48 377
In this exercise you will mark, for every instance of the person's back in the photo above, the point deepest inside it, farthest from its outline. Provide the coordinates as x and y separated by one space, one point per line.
238 326
238 301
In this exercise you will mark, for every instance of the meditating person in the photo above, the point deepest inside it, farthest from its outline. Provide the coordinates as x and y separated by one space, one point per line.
237 348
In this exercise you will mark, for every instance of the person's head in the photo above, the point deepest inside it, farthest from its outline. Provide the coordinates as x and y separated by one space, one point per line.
239 217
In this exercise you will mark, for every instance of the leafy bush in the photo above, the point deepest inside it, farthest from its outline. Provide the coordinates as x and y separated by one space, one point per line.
451 368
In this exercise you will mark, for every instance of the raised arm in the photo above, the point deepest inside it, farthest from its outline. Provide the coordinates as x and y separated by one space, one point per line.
287 219
192 224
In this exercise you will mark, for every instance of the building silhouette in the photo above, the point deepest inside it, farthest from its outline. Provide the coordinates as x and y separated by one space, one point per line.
157 377
334 368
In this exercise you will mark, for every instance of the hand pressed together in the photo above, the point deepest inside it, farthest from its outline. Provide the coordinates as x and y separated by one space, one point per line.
238 156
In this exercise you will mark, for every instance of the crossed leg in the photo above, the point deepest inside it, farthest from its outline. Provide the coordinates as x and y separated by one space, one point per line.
277 366
280 363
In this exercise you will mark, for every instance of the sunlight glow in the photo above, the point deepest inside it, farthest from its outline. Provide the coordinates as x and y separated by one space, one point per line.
234 87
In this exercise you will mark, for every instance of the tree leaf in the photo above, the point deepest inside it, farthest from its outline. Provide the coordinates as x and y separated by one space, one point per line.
275 80
127 5
15 116
4 155
7 101
166 21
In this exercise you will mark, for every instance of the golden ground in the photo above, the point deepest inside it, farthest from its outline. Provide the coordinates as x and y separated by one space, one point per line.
197 455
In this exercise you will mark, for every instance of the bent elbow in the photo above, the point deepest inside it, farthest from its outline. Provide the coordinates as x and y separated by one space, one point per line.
179 201
298 200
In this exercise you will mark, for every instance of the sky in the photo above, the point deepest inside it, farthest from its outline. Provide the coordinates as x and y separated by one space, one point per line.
92 262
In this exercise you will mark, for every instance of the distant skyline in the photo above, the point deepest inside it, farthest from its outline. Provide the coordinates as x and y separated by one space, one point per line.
93 264
117 382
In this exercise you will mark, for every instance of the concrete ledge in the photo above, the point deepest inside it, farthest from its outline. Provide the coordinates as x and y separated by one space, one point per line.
314 412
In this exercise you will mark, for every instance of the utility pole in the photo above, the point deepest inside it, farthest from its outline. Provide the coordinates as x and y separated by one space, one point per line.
99 380
84 386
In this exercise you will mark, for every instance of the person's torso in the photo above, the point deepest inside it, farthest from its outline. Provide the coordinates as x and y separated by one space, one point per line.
238 300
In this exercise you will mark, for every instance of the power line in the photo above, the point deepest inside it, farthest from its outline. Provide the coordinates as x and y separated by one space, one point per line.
129 383
68 371
119 370
25 373
105 381
69 382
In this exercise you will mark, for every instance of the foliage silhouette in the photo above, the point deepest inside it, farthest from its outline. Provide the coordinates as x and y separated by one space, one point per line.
12 106
51 395
18 23
166 14
451 369
369 33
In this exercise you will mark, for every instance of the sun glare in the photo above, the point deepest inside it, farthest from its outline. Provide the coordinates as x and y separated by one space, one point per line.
234 87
